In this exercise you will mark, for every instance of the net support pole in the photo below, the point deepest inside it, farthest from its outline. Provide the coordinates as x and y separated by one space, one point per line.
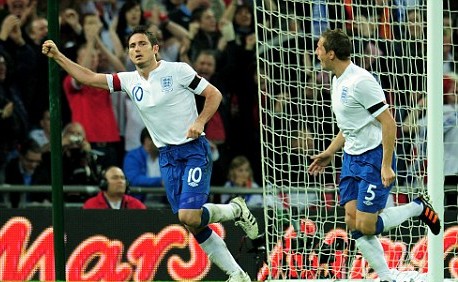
56 148
435 139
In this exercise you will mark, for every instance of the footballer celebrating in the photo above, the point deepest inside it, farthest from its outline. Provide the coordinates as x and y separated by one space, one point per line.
367 135
163 92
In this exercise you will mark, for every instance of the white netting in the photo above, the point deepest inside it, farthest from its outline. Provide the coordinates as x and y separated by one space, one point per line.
306 236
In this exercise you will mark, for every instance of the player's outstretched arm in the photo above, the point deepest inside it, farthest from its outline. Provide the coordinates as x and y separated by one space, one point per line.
80 73
322 160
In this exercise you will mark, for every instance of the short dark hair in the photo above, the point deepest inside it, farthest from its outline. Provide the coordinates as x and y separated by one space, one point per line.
339 42
141 29
29 145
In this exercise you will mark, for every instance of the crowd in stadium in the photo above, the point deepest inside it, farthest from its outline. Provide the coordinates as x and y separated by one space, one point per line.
217 38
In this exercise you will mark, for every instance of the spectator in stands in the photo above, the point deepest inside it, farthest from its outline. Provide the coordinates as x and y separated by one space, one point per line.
242 18
71 31
169 49
14 48
182 13
38 101
78 160
24 10
13 116
38 30
113 193
106 42
240 175
42 135
130 16
206 35
141 166
86 101
24 170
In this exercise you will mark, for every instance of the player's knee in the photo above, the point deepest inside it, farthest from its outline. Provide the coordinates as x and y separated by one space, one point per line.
189 220
350 221
366 229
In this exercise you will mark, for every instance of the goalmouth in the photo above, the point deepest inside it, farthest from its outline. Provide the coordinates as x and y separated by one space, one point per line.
305 234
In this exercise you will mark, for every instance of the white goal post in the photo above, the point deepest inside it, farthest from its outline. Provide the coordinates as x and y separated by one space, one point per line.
305 233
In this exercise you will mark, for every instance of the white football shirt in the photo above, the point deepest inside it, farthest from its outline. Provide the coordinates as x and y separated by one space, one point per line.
165 100
357 99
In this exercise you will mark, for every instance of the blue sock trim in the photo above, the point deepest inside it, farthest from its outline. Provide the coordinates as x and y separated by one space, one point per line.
379 226
203 235
356 234
418 201
205 217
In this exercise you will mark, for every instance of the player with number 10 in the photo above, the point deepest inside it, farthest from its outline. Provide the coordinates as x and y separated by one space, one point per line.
163 92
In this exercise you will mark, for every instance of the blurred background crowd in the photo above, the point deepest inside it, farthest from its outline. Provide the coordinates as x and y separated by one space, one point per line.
218 39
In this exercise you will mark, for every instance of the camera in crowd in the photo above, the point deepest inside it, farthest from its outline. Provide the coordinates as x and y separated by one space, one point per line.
76 139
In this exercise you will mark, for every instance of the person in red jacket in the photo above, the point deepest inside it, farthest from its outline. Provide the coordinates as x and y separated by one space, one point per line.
114 187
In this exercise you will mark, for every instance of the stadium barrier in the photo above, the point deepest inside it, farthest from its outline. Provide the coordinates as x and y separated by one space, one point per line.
145 245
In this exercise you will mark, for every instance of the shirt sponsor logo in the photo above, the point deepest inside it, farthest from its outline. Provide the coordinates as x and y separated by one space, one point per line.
167 83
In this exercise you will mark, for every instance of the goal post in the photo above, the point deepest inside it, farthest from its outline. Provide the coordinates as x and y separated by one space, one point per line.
305 232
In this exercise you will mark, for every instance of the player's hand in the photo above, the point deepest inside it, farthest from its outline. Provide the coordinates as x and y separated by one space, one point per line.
50 49
195 130
320 162
388 176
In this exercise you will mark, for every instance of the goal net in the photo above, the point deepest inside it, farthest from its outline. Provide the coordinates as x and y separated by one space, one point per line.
306 237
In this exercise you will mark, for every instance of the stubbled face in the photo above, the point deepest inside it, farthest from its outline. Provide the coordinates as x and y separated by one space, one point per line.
141 53
322 54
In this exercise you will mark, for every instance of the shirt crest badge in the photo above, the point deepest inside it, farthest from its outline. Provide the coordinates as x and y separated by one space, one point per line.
167 83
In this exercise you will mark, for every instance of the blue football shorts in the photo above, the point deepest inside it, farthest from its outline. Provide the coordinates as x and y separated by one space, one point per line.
361 180
186 171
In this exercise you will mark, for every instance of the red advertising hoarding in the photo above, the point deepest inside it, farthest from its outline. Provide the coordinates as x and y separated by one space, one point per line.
146 245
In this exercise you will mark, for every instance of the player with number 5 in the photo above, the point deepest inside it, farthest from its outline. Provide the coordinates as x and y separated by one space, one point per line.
367 135
163 92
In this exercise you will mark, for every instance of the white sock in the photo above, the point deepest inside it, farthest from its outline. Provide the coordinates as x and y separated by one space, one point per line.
222 212
372 251
218 253
394 216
